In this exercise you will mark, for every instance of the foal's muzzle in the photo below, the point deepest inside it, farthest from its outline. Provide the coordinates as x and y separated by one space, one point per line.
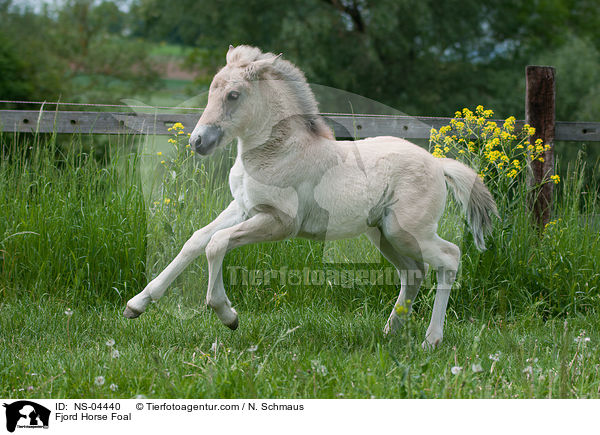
206 138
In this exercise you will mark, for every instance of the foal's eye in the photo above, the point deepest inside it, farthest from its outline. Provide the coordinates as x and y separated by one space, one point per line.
233 95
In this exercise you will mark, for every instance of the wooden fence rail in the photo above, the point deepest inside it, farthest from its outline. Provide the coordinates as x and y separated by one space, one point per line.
359 126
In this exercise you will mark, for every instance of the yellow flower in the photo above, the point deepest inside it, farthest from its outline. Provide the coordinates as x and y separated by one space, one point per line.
488 113
461 151
167 200
159 153
529 130
509 124
541 159
173 141
479 109
401 309
178 126
492 156
458 114
162 162
512 173
437 152
555 179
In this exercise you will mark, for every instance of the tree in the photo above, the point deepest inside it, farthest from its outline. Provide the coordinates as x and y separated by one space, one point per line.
79 51
422 57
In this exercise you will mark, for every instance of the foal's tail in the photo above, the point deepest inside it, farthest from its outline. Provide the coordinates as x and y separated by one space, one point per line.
475 198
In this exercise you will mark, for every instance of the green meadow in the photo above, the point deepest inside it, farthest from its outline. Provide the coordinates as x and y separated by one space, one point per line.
80 235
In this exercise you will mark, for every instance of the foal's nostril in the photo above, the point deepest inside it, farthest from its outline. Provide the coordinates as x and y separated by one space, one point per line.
206 138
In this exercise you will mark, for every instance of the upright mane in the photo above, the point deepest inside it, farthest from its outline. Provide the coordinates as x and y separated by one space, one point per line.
244 55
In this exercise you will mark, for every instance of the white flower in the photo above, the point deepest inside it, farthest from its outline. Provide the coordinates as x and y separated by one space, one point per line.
99 381
69 312
294 357
114 387
456 370
318 368
214 346
253 348
528 370
476 368
582 339
115 353
139 396
110 342
495 356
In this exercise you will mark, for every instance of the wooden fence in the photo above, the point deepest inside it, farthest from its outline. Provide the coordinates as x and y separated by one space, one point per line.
360 126
539 113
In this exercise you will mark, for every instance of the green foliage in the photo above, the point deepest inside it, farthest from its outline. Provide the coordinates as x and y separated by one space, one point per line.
78 52
14 83
421 57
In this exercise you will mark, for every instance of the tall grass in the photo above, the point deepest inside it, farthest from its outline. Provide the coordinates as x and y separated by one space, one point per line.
71 227
86 231
88 234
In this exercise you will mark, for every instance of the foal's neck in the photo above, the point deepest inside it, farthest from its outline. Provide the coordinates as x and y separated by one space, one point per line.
287 137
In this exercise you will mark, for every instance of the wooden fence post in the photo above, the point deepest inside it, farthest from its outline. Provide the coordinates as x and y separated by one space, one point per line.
540 114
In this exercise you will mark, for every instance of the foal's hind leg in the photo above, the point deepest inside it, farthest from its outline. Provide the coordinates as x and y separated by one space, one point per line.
190 251
445 257
411 274
425 246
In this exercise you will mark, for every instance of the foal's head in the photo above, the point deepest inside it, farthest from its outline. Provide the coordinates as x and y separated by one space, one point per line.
250 95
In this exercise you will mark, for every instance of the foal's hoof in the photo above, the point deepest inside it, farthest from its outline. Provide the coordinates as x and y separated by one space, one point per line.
431 344
130 313
233 325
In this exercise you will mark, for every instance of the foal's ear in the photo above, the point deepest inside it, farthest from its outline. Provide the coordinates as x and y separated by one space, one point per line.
256 68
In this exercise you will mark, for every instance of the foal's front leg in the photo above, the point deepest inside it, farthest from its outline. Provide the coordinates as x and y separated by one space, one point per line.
263 227
190 251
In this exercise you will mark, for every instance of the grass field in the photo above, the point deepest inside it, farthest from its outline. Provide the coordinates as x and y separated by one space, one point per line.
79 237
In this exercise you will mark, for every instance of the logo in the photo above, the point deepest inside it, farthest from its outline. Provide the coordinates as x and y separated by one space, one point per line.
26 414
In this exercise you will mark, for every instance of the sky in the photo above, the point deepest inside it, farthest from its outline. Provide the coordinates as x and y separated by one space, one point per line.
37 5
